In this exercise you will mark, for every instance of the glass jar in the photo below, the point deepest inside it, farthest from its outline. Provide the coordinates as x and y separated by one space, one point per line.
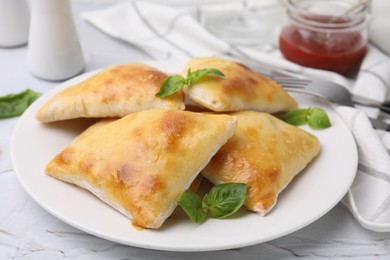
326 34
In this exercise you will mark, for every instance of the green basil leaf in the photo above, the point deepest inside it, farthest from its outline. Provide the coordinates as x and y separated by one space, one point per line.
192 205
171 85
225 199
296 117
197 75
318 119
15 104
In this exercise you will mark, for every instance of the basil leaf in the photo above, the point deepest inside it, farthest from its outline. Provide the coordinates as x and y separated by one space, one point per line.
197 75
318 119
15 104
192 205
296 117
315 117
171 85
225 199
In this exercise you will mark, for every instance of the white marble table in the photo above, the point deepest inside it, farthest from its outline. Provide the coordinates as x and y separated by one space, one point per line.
29 232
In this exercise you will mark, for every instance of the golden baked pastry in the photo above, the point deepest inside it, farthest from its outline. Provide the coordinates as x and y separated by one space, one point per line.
96 126
178 212
240 88
141 163
113 92
265 153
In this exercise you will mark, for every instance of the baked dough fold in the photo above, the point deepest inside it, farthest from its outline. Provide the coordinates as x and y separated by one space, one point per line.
240 89
141 163
112 92
265 153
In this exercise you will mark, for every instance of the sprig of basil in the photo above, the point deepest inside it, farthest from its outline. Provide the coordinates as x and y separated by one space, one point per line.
197 75
318 119
172 84
192 205
315 117
15 104
222 201
225 199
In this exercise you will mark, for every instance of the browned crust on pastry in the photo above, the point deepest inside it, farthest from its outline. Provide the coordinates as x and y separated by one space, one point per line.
113 92
240 89
265 153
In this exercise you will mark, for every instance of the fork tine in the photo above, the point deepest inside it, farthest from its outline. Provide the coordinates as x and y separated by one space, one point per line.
290 82
328 90
284 85
290 79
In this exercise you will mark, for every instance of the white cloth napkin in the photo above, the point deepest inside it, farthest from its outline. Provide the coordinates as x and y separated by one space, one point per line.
167 32
380 25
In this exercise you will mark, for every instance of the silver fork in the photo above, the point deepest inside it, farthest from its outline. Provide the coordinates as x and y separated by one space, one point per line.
333 92
294 82
328 90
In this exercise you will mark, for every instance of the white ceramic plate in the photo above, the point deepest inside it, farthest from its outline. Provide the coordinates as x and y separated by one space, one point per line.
311 194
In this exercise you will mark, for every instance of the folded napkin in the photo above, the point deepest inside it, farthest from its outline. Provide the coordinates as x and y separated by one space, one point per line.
380 24
182 32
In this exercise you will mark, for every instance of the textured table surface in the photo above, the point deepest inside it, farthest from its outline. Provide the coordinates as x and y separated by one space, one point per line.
29 232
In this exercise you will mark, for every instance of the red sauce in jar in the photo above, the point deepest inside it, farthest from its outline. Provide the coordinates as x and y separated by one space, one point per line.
341 52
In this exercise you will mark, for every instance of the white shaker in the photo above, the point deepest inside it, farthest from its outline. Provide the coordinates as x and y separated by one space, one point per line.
54 51
14 22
